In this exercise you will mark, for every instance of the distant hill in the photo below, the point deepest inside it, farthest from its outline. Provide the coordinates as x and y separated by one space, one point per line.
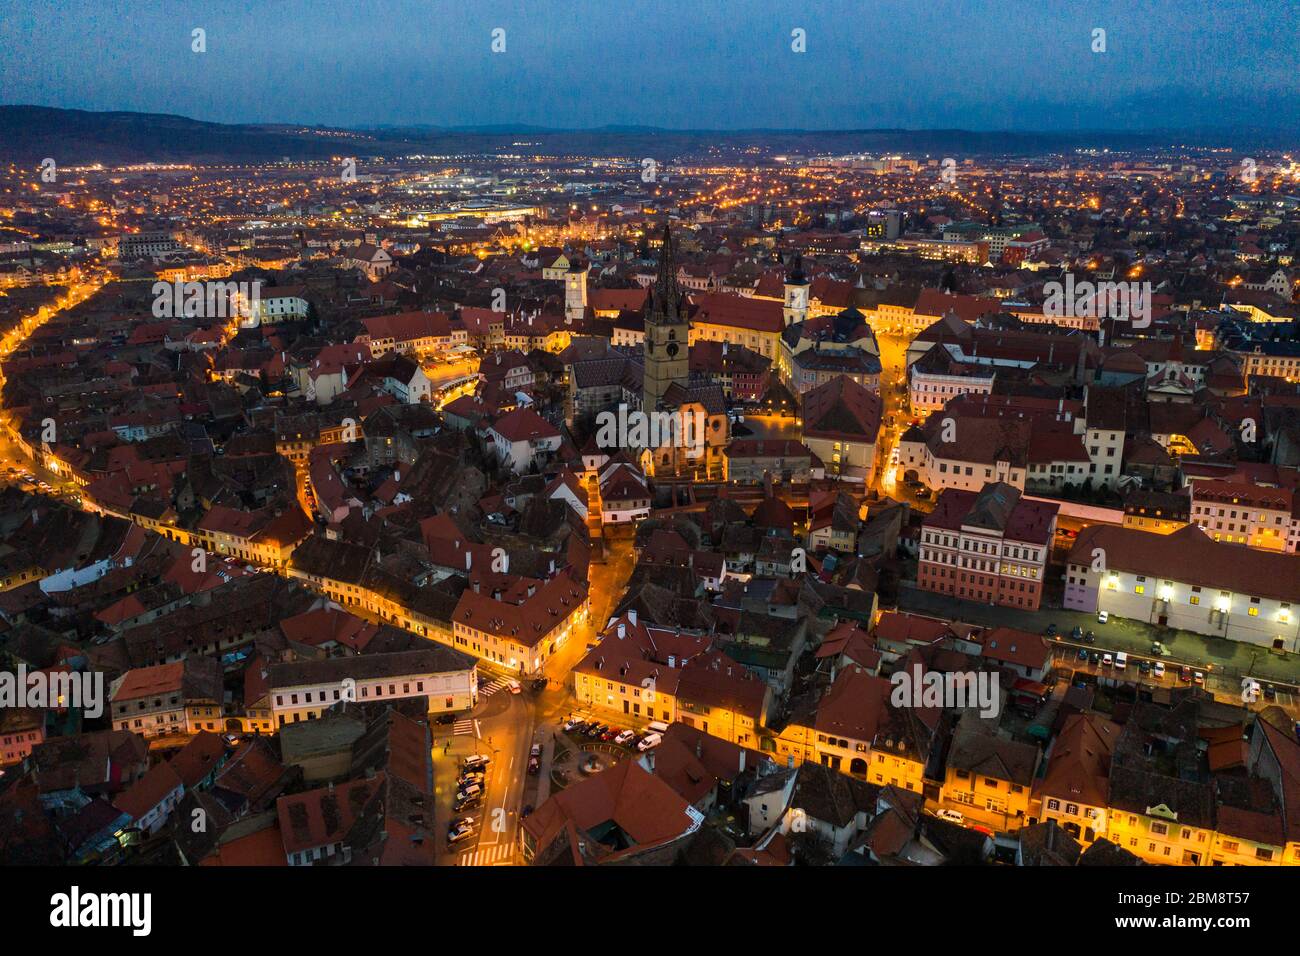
28 134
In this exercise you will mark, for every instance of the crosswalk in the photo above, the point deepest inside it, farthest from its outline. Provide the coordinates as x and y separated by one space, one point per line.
463 726
499 684
494 854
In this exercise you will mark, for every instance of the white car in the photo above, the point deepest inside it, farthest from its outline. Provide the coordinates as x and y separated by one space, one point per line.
469 790
1103 617
514 686
571 723
649 741
625 738
952 816
1107 660
1158 669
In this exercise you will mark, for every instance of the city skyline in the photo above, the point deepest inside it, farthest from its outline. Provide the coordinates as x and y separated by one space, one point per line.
853 439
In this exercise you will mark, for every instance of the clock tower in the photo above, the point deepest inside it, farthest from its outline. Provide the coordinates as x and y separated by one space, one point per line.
796 294
667 332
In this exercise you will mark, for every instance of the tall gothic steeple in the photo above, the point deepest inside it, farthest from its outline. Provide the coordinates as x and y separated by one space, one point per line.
666 297
667 331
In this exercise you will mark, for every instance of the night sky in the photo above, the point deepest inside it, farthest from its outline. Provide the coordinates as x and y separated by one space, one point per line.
698 64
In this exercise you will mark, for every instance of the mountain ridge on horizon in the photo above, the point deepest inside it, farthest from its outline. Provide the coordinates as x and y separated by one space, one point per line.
30 132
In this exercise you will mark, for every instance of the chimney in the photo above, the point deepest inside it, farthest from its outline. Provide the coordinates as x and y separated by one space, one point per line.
631 616
622 632
672 661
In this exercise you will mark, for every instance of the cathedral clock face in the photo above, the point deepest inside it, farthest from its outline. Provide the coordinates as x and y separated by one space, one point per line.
671 348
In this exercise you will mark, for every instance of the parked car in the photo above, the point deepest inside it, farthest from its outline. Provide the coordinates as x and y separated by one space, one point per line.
1094 657
534 766
515 687
1121 660
1185 674
535 750
1076 633
573 723
1144 666
1051 630
460 821
610 733
1158 669
1082 655
952 816
1198 678
457 834
472 777
595 730
1270 692
1089 637
625 738
1103 617
466 803
469 790
1107 660
528 808
649 741
475 762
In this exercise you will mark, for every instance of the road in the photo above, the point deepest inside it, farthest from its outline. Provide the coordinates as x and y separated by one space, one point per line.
505 726
12 461
502 728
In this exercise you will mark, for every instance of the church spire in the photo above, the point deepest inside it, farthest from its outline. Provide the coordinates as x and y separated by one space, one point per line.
667 295
796 276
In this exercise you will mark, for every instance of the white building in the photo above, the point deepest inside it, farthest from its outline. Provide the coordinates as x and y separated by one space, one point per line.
302 690
1188 581
522 438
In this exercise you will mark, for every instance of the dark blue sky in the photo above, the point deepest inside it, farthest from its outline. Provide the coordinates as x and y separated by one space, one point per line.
975 64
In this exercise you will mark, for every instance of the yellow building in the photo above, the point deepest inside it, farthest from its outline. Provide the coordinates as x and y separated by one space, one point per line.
739 320
989 779
1156 511
1246 843
1159 834
1074 790
856 730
